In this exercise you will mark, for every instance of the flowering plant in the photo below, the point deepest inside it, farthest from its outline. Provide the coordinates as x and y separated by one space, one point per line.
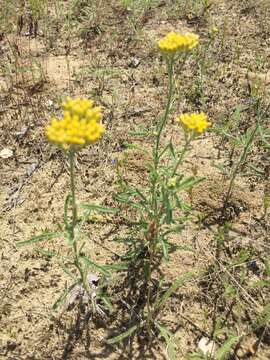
159 203
79 127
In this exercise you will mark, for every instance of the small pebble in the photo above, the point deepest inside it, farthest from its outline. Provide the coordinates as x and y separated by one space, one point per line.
207 347
6 153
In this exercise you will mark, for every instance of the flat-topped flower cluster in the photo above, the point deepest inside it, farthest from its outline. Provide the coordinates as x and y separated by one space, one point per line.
80 125
194 122
174 43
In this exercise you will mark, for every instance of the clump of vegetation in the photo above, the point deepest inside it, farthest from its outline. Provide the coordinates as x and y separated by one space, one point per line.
162 246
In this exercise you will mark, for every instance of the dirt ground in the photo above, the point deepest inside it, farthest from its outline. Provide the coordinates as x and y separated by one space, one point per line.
109 53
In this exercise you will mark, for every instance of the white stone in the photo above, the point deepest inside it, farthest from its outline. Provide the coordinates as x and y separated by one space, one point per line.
207 347
6 153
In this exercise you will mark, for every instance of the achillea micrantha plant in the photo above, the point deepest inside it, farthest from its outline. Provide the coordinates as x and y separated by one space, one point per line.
79 127
161 209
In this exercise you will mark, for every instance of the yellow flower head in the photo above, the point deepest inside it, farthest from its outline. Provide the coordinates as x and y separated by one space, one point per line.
195 122
80 125
174 43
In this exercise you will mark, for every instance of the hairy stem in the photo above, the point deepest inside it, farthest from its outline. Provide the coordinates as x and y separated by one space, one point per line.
74 223
181 157
166 113
148 300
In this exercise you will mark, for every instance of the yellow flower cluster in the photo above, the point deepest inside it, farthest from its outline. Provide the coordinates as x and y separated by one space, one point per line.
174 43
195 122
79 126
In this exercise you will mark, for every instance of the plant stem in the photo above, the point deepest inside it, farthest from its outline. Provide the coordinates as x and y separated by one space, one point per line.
183 152
74 223
160 127
154 232
152 238
74 213
148 301
167 110
241 159
72 189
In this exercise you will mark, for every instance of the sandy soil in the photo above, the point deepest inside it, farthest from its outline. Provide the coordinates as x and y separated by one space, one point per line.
231 69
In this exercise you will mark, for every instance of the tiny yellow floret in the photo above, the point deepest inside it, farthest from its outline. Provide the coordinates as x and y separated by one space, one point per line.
79 126
95 217
174 43
195 123
213 29
172 182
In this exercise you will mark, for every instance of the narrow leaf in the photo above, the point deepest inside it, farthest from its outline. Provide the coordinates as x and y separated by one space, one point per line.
63 296
42 237
141 195
166 148
226 347
174 230
179 282
122 336
165 248
168 207
94 265
117 267
46 252
84 218
66 270
106 301
168 337
189 182
100 208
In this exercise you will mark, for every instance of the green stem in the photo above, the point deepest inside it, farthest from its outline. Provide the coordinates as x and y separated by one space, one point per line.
183 152
154 189
148 301
152 250
74 223
161 125
241 159
72 189
74 212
